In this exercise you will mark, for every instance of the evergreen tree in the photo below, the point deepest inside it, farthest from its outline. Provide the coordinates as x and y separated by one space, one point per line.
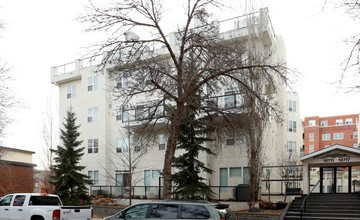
188 183
70 183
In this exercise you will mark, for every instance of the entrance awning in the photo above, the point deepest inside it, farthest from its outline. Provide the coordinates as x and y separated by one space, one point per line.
333 156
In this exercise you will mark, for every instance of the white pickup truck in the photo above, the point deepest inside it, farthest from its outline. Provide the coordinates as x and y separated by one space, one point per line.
36 206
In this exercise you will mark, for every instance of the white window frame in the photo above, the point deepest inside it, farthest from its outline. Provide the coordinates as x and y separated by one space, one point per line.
162 141
312 123
355 134
93 114
356 145
93 146
291 105
326 137
71 91
122 145
311 148
348 121
94 176
93 83
292 126
339 121
239 174
311 137
122 82
229 99
324 123
338 136
291 147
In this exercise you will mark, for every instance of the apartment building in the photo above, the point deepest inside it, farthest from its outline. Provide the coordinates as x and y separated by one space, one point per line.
323 132
104 122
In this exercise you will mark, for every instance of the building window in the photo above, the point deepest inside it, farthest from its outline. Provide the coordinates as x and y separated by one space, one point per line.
326 137
229 99
311 137
93 114
155 174
162 143
121 82
137 144
292 106
94 176
312 123
93 146
324 123
122 145
93 83
338 136
311 148
355 134
349 121
291 147
71 91
122 114
147 177
356 145
234 138
234 172
339 122
224 176
291 126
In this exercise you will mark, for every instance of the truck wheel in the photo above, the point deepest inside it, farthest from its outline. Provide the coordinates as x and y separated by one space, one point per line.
37 218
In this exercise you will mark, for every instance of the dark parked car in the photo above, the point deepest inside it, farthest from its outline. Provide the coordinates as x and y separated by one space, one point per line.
176 209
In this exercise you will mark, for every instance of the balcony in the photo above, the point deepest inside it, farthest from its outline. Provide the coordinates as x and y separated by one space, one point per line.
231 102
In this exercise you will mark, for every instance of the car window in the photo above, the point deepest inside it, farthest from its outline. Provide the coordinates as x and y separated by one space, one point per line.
138 211
44 200
194 212
6 201
168 211
19 200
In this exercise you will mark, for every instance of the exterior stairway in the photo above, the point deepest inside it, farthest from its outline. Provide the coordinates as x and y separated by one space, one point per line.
326 206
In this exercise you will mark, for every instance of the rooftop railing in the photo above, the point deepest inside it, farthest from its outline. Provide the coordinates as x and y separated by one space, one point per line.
229 28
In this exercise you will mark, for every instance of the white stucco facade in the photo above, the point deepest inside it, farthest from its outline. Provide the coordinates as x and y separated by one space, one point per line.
88 93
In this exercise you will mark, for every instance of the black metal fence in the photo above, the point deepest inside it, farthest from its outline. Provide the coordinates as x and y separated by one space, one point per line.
225 193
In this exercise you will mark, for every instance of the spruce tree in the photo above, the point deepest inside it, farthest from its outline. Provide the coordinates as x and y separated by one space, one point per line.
188 182
69 182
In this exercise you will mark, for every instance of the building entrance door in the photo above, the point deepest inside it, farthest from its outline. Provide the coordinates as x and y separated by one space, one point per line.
335 179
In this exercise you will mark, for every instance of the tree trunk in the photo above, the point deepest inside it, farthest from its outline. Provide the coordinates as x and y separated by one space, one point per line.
170 151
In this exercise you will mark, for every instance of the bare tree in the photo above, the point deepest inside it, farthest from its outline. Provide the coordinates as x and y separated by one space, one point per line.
163 67
129 153
49 133
7 98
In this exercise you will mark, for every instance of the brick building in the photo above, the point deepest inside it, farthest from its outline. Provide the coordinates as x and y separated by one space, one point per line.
322 132
16 171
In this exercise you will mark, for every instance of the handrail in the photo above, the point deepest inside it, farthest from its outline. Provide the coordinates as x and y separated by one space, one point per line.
356 181
304 201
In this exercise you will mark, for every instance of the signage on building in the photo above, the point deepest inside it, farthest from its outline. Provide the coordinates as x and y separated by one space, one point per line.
336 158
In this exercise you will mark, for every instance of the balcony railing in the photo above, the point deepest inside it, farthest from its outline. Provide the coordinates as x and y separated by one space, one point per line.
228 28
144 112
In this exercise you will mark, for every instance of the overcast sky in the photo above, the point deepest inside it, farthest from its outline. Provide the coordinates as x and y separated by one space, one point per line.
43 33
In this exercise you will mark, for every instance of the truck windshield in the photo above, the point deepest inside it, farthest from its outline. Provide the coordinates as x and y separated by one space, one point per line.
44 200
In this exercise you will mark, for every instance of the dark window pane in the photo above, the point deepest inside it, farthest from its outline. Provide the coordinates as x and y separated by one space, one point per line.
167 211
19 201
194 211
44 200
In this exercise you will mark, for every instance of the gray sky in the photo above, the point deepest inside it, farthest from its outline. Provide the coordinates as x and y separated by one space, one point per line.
42 33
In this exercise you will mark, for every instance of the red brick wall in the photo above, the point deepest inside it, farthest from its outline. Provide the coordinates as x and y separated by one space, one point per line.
16 178
331 128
